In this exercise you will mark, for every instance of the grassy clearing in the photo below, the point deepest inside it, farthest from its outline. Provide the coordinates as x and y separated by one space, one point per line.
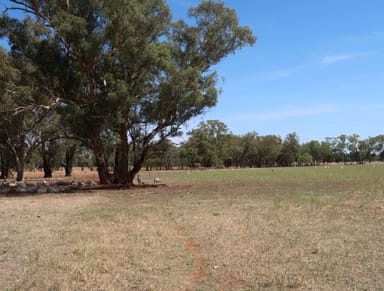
255 229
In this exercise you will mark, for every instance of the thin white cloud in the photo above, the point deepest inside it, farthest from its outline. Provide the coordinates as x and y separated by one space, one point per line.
283 73
293 112
335 59
331 59
307 111
280 74
287 72
364 38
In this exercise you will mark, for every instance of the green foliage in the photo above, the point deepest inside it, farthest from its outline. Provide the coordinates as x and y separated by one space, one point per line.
305 159
25 104
289 150
248 156
164 156
208 145
122 69
269 148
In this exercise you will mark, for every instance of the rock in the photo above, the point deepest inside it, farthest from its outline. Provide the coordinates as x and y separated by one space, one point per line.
21 187
30 188
41 187
53 189
4 189
90 183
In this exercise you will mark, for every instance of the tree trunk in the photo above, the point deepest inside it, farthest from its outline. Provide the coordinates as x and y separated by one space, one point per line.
68 168
121 157
47 166
19 160
4 172
69 155
19 169
135 170
102 167
4 165
138 164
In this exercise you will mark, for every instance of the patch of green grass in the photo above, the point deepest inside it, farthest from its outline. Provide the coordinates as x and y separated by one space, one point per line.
355 175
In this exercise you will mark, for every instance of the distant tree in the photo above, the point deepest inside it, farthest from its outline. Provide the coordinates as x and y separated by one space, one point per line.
338 147
305 159
85 158
268 150
376 147
219 136
8 77
188 156
48 152
249 150
232 151
364 153
70 151
342 146
164 156
211 141
326 152
353 147
5 161
24 105
289 150
315 150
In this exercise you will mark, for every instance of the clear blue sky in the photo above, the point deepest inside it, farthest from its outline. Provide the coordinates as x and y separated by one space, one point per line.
317 69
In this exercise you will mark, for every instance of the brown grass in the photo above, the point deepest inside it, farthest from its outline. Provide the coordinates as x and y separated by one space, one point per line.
275 233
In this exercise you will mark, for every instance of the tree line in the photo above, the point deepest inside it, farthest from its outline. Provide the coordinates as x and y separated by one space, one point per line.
212 144
116 79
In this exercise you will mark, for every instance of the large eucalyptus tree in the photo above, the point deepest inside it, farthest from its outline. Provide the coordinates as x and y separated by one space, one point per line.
128 74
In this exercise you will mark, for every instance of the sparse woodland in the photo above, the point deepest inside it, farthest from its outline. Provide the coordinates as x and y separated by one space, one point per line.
108 86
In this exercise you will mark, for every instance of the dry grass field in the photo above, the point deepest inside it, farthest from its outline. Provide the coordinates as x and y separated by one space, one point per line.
255 229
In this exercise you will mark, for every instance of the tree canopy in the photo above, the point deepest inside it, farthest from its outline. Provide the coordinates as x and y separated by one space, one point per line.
122 72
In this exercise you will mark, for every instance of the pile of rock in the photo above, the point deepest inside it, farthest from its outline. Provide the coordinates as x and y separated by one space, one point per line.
43 187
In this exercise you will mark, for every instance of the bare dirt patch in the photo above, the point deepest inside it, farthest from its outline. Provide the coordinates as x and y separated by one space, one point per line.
198 272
